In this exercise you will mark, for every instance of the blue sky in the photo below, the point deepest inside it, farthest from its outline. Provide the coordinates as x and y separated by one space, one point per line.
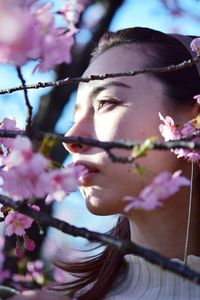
133 13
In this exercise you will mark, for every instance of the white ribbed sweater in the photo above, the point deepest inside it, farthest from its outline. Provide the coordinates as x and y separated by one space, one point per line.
146 281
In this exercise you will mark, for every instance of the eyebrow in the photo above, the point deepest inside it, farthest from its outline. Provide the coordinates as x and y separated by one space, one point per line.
97 90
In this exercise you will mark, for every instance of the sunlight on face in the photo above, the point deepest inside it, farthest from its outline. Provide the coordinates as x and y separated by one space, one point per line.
124 108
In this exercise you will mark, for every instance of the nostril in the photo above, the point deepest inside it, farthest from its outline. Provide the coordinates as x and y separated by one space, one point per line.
76 147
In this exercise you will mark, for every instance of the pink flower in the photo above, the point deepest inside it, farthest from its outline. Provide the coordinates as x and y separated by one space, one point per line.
171 132
21 152
8 124
26 174
16 223
28 32
162 187
56 49
195 45
18 35
63 181
55 46
19 183
168 130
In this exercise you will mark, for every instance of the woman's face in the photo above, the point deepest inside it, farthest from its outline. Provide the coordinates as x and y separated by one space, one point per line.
123 108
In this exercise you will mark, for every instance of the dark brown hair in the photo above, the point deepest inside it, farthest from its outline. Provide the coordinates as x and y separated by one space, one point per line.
96 275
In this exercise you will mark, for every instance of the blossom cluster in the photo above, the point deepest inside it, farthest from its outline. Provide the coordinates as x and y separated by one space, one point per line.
26 174
28 32
16 223
172 131
167 184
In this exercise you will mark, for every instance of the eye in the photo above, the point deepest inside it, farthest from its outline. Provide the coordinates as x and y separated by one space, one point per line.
105 104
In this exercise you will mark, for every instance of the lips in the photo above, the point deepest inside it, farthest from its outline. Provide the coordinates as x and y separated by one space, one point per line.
89 172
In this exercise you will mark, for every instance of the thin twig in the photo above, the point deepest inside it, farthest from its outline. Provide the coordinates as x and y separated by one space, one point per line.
125 246
28 105
171 68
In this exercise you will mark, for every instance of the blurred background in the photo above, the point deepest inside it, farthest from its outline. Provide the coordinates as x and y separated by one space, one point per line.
53 107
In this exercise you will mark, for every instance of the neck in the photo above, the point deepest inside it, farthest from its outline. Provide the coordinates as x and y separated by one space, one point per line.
164 229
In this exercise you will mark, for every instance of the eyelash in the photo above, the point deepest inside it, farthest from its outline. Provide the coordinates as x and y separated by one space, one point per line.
101 103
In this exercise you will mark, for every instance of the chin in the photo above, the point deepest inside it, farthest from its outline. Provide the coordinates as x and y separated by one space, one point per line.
99 207
101 201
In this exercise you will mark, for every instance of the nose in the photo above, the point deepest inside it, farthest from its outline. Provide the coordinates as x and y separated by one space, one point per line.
78 129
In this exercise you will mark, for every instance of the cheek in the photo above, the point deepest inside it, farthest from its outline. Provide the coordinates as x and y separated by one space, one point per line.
114 126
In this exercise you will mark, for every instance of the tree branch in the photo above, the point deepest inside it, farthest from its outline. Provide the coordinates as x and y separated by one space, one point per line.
125 246
184 64
107 146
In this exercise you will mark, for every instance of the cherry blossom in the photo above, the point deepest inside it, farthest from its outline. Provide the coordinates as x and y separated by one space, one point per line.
162 187
16 223
28 32
29 175
18 34
26 174
55 46
21 152
8 124
63 181
195 45
170 131
24 185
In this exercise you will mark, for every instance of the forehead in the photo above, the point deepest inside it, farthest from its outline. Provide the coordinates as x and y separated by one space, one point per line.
117 59
113 60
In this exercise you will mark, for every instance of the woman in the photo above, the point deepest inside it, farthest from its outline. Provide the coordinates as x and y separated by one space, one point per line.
126 108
